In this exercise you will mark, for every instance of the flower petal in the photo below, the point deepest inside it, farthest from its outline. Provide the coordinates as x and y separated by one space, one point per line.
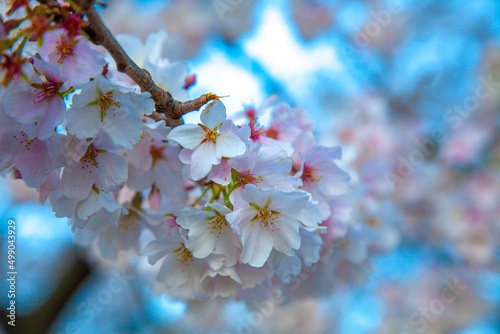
84 122
257 244
112 170
202 160
287 238
229 145
125 128
188 135
77 184
213 114
240 218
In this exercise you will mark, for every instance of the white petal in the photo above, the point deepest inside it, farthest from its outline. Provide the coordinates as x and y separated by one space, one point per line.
173 274
156 249
201 241
223 210
188 135
202 160
289 202
229 145
89 206
252 194
124 128
287 238
240 218
84 122
77 183
213 114
228 245
112 170
257 244
309 216
109 203
190 217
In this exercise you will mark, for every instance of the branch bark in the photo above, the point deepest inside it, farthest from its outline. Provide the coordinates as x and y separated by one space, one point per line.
167 108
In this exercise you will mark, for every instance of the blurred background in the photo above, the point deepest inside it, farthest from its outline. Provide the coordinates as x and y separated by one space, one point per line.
410 90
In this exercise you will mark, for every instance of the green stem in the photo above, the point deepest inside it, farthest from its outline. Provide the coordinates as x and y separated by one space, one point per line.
201 196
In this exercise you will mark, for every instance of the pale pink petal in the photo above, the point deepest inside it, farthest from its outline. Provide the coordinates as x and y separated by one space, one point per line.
20 105
112 170
125 128
309 216
221 173
213 114
33 164
240 218
257 244
287 238
77 183
84 122
189 135
54 117
202 160
229 145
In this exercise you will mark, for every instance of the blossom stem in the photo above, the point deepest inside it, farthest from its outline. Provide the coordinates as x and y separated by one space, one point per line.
201 196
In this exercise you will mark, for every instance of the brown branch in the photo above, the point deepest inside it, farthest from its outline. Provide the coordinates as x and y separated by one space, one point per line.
167 108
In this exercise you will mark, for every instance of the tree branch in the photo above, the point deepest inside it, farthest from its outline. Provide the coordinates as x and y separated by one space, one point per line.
167 108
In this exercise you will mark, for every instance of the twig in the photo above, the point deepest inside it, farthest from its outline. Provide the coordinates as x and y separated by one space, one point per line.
167 108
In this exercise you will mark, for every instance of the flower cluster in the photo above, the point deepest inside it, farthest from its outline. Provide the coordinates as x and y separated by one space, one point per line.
227 207
260 202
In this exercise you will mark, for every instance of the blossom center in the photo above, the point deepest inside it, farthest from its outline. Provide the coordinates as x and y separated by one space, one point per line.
249 178
156 153
216 224
267 218
310 175
272 132
64 48
12 67
89 159
23 140
210 136
184 255
106 103
255 130
44 91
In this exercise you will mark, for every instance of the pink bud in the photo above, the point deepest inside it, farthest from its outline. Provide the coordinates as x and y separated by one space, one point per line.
190 81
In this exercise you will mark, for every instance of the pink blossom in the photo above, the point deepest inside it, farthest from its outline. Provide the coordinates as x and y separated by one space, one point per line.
272 220
209 145
39 106
74 57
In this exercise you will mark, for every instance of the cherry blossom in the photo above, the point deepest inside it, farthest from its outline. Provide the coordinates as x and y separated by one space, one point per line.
320 175
208 144
272 220
39 106
73 55
179 265
266 167
100 106
98 166
209 232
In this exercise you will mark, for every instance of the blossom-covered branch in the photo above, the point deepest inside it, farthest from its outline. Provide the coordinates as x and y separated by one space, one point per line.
167 108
